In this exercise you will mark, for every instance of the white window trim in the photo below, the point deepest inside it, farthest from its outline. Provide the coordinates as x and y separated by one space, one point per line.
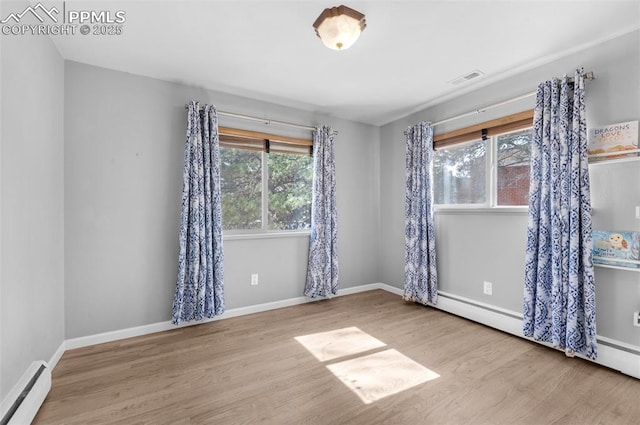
442 207
265 193
517 210
492 172
273 234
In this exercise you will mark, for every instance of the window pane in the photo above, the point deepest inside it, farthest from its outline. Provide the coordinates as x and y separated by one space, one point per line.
241 181
514 152
290 178
460 174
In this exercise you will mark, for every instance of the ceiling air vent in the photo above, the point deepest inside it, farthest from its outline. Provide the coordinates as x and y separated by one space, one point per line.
466 77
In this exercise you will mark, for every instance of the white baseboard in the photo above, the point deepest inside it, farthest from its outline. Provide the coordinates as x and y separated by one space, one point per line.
53 361
85 341
235 312
612 353
391 289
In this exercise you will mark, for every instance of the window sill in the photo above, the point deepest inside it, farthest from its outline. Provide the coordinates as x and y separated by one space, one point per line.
481 210
265 235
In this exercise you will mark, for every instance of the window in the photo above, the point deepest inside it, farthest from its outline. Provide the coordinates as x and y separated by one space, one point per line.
290 181
241 185
512 178
266 181
460 174
486 165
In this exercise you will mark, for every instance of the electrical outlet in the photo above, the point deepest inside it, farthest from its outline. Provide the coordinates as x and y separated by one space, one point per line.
487 288
254 279
636 319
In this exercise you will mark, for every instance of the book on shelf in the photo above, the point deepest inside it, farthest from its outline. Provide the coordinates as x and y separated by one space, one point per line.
616 248
613 141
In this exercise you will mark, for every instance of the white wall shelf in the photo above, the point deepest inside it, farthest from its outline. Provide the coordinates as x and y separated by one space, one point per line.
594 160
609 266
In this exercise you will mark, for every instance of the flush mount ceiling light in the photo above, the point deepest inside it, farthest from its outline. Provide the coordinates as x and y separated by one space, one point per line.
339 27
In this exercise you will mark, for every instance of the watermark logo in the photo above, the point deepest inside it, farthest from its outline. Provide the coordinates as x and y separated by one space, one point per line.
33 10
43 20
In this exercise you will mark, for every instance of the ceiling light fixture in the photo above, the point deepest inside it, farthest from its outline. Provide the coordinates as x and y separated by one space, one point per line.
339 27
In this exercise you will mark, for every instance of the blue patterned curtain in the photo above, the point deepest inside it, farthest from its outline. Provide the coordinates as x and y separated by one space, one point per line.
420 274
559 295
199 290
322 269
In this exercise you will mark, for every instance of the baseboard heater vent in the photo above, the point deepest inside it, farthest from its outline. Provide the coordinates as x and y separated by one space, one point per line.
22 403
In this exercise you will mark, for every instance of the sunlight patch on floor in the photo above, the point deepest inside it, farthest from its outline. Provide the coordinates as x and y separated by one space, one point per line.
332 345
381 374
370 376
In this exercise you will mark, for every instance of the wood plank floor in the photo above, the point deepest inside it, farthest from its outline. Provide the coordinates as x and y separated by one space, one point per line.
251 370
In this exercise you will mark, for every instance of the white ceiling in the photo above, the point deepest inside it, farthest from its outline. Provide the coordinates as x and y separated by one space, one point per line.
403 61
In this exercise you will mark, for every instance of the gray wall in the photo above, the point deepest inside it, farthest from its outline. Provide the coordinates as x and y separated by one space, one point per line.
477 246
124 139
32 187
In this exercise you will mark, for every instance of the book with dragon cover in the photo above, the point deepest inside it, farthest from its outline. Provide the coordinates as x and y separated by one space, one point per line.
613 141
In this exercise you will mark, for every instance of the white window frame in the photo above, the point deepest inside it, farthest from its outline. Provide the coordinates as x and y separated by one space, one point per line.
491 183
263 231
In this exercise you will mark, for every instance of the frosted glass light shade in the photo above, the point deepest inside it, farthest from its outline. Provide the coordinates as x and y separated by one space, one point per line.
339 27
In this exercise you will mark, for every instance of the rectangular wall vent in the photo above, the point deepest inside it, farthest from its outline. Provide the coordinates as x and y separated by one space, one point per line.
466 77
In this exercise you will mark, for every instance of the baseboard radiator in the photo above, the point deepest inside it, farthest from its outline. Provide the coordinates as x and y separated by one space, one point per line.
614 354
22 403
